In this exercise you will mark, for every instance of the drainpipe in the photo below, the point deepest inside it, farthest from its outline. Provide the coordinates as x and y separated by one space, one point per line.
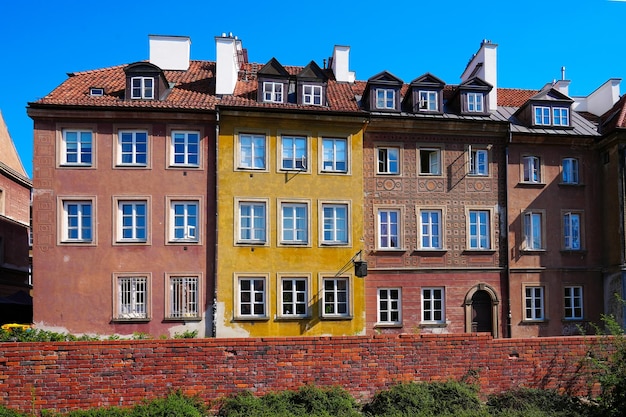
215 257
507 284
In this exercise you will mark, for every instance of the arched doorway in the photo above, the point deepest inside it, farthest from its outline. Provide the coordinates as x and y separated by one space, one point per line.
481 310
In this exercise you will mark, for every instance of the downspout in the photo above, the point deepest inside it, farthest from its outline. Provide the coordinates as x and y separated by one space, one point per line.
215 254
507 284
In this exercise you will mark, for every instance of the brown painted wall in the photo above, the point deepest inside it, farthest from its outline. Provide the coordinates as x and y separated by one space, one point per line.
78 375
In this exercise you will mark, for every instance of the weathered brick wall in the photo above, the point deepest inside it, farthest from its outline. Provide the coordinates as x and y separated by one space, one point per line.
74 375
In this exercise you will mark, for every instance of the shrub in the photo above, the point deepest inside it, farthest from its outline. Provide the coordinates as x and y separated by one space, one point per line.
7 412
531 402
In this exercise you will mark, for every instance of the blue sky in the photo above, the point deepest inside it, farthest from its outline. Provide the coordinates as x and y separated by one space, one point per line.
42 40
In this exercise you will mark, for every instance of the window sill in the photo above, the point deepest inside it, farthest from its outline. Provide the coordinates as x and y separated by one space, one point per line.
328 172
382 251
79 166
433 325
388 174
183 167
241 318
293 171
294 244
184 243
388 325
136 320
179 319
336 318
333 244
292 318
479 251
533 322
573 251
428 251
131 242
571 184
132 167
429 175
531 184
78 243
472 175
533 251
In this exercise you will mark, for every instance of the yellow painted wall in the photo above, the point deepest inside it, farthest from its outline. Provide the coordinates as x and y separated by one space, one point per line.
272 260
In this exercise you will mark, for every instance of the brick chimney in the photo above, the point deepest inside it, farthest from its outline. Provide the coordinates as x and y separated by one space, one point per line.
229 57
484 65
170 52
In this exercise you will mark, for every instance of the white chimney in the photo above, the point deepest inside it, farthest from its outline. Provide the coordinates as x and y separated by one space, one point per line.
341 64
601 99
228 63
484 65
170 52
562 86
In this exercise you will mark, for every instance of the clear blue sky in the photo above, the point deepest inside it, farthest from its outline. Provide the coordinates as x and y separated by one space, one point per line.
42 40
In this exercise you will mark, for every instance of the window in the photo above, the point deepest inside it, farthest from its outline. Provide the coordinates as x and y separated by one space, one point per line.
388 160
335 155
142 88
532 169
428 101
478 162
479 230
534 304
252 299
272 92
184 221
542 115
312 94
252 222
133 148
132 221
385 98
573 303
77 221
533 235
475 102
184 296
294 153
560 116
335 224
389 306
433 304
430 227
389 229
185 149
294 224
335 297
251 151
294 297
132 298
77 147
570 171
430 161
571 231
96 92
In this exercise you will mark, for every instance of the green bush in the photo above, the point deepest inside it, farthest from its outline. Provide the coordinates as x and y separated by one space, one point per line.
536 402
7 412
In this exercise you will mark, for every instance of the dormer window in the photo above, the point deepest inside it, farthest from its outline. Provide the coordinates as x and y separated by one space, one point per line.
428 101
551 116
475 102
382 93
385 98
272 92
560 116
142 88
312 95
96 92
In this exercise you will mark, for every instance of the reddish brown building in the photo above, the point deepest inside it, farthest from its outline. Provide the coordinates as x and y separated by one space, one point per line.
15 188
123 157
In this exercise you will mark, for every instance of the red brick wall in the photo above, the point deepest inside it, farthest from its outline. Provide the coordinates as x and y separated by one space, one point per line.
74 375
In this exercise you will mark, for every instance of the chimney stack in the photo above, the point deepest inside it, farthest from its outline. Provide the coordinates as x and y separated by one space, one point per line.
340 64
229 56
484 65
170 52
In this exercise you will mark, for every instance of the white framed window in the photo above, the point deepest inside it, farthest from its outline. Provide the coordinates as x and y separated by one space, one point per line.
430 161
77 222
433 305
77 146
531 169
542 116
570 173
251 297
475 102
334 155
431 229
272 92
252 153
388 160
294 223
335 224
185 149
533 230
428 101
560 116
572 234
294 297
132 297
184 221
294 152
534 305
142 88
389 306
478 162
132 148
336 297
183 297
385 98
479 232
132 221
312 95
252 222
573 302
389 228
